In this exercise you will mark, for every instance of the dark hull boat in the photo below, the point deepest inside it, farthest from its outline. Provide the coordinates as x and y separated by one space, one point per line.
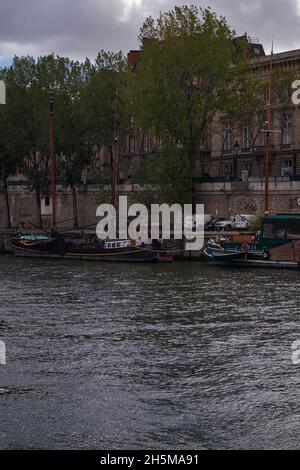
276 246
59 248
37 246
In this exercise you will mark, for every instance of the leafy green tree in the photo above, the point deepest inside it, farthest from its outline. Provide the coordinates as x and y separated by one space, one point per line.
7 166
190 68
88 113
104 103
28 124
70 143
31 83
11 129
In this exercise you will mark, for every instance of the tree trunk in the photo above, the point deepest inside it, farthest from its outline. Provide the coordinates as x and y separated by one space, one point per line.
75 209
39 222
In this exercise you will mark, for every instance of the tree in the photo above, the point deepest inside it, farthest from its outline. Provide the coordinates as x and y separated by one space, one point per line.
190 68
103 103
6 164
88 110
70 168
69 120
28 124
10 135
31 83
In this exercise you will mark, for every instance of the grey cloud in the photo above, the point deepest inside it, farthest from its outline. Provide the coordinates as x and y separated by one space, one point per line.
75 27
265 19
259 18
80 28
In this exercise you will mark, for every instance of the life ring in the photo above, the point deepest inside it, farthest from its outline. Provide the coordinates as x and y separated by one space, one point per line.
245 247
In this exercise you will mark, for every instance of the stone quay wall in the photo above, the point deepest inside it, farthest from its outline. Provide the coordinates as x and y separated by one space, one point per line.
222 199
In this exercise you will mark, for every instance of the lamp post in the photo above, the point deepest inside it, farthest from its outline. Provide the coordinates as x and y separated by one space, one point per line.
53 162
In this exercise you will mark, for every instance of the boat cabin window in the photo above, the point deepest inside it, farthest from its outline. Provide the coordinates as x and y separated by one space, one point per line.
121 244
274 229
293 231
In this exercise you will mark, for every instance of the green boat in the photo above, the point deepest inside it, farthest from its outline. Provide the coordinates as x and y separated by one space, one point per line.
276 245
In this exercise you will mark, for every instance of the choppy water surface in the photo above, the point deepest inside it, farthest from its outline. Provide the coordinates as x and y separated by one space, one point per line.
147 356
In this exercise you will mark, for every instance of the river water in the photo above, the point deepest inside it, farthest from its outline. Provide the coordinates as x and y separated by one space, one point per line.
166 356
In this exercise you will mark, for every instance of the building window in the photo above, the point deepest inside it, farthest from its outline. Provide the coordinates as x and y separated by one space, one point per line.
274 229
293 231
287 168
263 130
287 129
247 169
262 138
227 143
288 93
132 144
47 201
246 137
228 170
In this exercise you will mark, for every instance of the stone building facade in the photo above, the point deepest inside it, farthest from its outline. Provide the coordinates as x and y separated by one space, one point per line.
232 154
234 166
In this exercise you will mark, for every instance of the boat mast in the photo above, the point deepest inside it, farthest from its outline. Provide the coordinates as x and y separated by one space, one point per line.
53 162
114 156
268 136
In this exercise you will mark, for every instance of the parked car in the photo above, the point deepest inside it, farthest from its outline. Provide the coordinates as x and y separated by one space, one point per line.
211 225
191 222
235 222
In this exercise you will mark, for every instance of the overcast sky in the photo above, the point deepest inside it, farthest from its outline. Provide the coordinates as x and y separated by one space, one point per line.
79 28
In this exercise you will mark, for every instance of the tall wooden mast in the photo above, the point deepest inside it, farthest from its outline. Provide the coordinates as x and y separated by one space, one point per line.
114 156
53 162
268 137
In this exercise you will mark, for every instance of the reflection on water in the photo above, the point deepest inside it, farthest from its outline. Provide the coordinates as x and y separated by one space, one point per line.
147 356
